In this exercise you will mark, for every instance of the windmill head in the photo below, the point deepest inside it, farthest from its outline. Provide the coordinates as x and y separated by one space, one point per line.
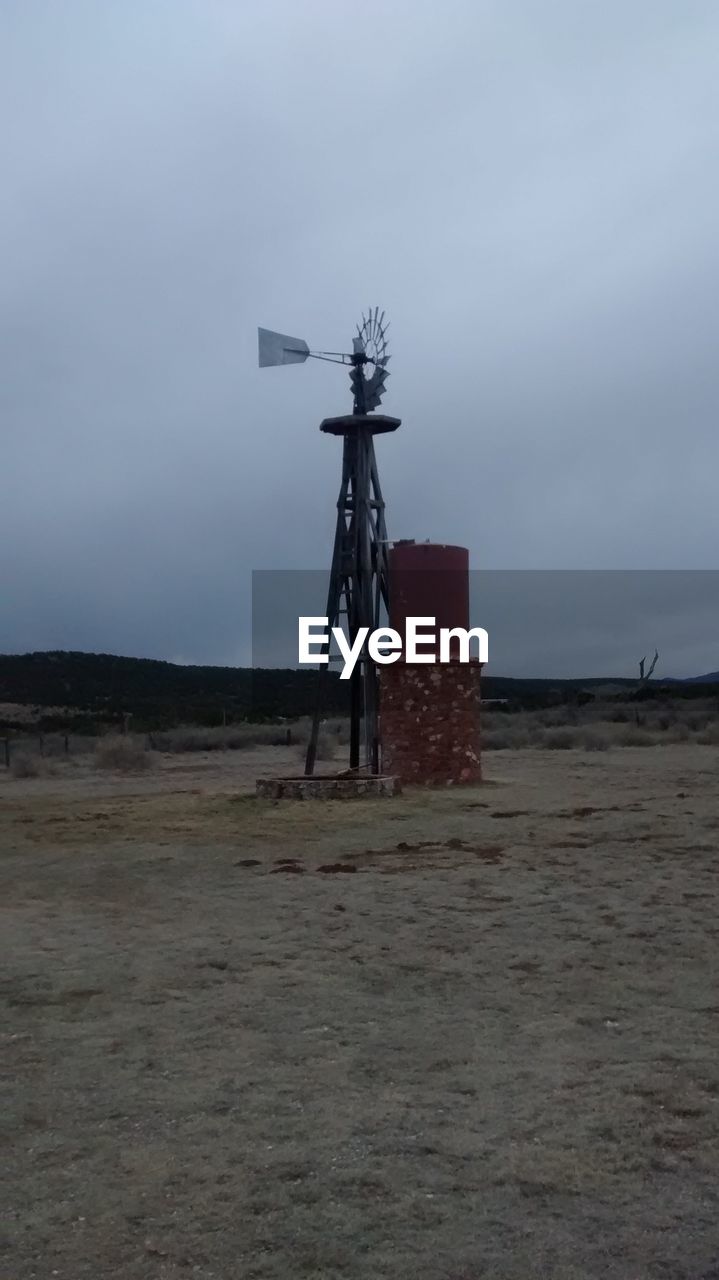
368 360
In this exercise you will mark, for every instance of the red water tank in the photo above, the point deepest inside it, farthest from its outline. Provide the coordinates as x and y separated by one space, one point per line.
428 579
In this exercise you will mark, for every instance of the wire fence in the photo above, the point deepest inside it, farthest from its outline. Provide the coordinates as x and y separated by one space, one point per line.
184 738
47 746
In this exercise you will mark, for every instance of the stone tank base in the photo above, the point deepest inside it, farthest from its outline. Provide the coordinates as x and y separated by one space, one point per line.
429 718
328 787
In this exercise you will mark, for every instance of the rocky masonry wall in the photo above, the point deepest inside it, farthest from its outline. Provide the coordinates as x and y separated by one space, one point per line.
429 722
326 787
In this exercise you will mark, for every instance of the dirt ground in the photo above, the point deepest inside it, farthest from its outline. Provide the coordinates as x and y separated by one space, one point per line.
486 1047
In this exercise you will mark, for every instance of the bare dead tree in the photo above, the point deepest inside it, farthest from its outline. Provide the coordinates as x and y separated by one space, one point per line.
645 677
643 681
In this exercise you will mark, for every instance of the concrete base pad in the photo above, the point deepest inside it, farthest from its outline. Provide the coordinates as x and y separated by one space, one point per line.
328 787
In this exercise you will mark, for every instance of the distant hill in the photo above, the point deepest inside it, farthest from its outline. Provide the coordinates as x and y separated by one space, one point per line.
711 677
82 690
79 689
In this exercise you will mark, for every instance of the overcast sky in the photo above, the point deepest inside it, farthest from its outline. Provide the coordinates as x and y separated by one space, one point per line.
531 192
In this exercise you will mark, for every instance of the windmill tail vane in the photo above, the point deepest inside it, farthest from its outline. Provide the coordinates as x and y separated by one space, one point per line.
368 360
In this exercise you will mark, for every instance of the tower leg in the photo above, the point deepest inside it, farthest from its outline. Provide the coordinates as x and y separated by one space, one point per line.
356 717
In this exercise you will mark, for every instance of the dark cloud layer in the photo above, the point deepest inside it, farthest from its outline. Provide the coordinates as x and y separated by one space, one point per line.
532 193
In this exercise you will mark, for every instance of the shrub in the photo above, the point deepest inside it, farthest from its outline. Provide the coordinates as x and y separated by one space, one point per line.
631 736
604 724
340 730
234 737
23 765
123 755
561 739
509 737
554 717
697 722
680 733
326 745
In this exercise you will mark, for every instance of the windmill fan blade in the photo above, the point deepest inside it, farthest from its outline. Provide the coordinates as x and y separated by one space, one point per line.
279 348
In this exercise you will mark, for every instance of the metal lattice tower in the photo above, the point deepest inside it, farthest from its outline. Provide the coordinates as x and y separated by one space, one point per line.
358 586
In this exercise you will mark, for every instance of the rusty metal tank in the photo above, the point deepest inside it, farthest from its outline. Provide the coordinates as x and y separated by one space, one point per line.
428 579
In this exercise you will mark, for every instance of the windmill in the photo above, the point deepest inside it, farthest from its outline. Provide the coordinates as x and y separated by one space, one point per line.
358 583
369 347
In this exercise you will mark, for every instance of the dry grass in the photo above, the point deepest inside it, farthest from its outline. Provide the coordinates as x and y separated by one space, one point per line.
25 765
490 1051
239 737
123 754
603 724
245 736
600 725
327 746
